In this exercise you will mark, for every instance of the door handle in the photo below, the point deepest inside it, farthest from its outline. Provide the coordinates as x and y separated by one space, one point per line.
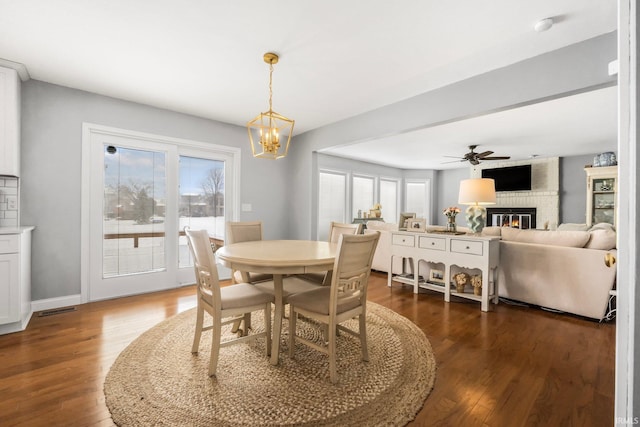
609 260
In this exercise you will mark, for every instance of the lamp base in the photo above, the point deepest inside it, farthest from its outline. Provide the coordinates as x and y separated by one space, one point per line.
476 218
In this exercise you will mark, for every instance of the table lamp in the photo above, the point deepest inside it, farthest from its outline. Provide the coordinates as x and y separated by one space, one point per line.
477 192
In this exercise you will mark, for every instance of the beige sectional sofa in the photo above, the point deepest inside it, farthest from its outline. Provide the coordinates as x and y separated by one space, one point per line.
561 270
382 256
558 269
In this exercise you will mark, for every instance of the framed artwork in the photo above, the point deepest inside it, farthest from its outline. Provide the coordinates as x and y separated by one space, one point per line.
416 224
436 276
404 218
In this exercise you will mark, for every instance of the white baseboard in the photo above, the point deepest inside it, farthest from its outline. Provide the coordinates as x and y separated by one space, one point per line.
58 302
18 326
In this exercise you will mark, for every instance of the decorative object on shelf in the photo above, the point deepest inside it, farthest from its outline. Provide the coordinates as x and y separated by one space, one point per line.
451 213
605 159
461 279
376 211
404 220
417 225
269 128
476 282
436 276
477 192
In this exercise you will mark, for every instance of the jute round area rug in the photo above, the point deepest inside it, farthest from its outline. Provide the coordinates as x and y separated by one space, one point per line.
157 381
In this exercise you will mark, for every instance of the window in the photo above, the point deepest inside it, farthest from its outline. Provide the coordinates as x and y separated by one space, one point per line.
389 199
418 198
332 203
362 198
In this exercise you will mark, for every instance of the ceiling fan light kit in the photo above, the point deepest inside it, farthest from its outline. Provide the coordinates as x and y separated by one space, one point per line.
474 158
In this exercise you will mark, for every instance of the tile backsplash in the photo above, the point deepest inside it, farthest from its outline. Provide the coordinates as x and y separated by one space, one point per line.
9 202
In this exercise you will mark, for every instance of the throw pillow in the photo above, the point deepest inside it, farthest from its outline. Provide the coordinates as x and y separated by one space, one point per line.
602 238
574 239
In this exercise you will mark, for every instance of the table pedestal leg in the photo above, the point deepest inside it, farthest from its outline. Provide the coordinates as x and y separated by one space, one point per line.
277 319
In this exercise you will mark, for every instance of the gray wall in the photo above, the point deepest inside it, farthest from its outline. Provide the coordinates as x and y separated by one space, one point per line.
448 186
52 118
576 68
573 188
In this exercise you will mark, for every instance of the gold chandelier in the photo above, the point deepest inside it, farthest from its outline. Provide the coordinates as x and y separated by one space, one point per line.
270 129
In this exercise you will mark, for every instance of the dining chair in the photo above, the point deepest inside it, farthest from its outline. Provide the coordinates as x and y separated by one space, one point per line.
224 304
345 299
336 229
247 231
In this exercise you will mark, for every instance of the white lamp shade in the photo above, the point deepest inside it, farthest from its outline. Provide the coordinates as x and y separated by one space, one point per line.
477 191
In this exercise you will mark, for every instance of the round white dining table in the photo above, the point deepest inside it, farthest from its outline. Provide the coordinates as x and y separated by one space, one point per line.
278 257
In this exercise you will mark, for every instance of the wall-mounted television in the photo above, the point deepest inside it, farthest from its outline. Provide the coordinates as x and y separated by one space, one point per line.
512 178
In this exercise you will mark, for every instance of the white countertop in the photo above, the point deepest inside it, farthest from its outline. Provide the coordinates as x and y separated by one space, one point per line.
16 230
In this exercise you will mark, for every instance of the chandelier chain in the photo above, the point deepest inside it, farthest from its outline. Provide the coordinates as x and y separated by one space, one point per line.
270 85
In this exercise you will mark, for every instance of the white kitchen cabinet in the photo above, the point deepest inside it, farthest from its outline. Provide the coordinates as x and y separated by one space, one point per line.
9 122
15 279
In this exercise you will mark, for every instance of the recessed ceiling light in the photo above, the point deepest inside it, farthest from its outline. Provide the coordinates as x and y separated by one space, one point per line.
543 25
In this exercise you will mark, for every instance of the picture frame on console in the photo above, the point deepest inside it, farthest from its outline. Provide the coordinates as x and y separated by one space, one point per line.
436 276
404 218
416 224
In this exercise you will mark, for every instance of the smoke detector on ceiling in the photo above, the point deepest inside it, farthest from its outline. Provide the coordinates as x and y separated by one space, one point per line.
543 25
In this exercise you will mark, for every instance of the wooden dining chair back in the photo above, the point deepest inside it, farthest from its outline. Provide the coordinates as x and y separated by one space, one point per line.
224 304
345 299
246 231
336 229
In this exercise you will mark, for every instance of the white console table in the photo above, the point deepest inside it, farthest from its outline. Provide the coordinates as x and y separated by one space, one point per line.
450 254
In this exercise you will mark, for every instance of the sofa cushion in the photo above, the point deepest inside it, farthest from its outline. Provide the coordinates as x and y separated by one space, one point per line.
574 239
603 236
568 226
382 226
492 231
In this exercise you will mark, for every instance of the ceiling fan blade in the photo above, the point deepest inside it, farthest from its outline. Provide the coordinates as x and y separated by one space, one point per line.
453 161
496 158
455 157
484 154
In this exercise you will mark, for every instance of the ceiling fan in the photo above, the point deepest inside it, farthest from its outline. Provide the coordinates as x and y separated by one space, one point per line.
474 158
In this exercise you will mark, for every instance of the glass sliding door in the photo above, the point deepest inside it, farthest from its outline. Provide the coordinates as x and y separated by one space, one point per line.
139 192
135 187
201 202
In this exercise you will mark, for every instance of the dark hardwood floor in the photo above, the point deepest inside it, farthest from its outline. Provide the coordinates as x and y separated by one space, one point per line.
512 366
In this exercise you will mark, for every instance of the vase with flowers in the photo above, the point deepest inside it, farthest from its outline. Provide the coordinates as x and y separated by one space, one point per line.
451 213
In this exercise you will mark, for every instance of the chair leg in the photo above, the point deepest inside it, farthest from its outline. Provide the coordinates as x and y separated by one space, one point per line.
332 353
198 332
267 326
247 323
292 330
215 347
363 336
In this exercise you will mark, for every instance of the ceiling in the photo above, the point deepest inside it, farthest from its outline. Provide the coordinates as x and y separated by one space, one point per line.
338 59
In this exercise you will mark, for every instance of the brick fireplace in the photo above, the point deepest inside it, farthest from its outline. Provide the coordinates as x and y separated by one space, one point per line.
523 218
544 196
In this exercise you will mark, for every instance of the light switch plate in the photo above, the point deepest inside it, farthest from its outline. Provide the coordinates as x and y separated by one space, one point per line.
246 207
